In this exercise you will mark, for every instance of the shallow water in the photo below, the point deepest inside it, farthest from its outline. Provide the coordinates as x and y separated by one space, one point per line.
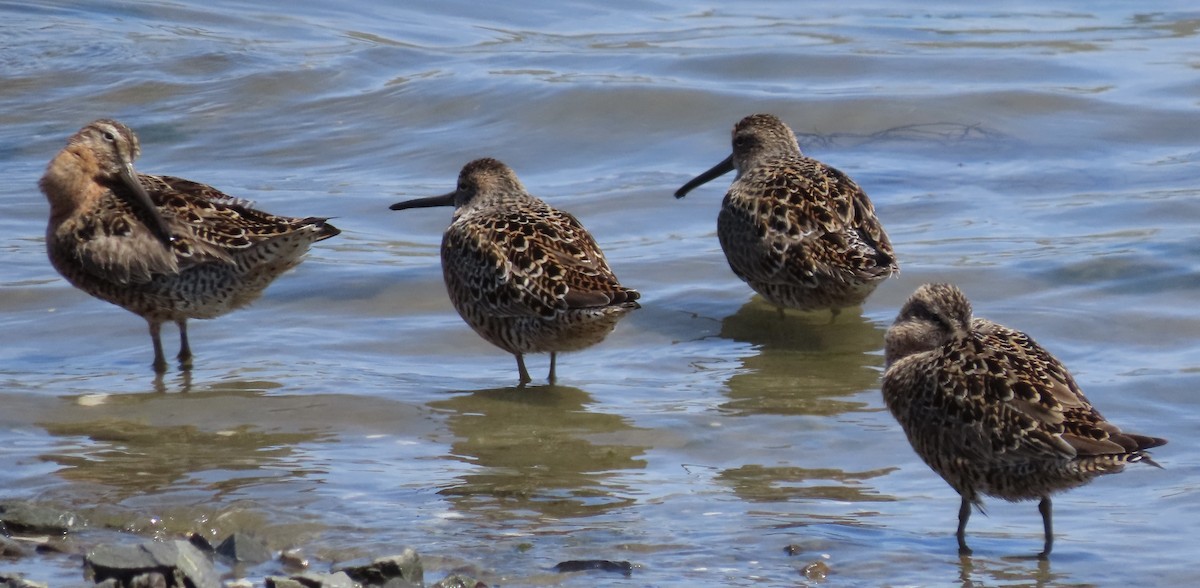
1043 158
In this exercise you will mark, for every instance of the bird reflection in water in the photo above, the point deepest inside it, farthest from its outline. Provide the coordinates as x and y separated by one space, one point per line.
1022 571
114 444
538 455
803 365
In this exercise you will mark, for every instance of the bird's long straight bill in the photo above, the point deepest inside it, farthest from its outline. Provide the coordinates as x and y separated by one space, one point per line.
141 200
717 171
443 200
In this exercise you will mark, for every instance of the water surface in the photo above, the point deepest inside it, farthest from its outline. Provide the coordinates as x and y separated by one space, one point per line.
1042 157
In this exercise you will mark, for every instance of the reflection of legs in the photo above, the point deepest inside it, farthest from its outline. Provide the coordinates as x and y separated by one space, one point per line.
185 350
553 356
1048 525
964 514
524 373
160 362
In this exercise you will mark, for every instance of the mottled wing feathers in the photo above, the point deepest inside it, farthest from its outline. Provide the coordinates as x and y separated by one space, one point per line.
955 404
211 226
590 280
1000 389
879 257
168 185
529 262
799 221
1050 387
208 226
476 266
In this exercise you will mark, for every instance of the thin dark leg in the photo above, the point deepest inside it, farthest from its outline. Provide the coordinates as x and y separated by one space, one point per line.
524 373
160 362
553 356
1047 523
185 350
964 514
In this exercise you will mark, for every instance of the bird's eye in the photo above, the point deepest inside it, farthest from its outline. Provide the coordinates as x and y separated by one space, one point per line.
109 137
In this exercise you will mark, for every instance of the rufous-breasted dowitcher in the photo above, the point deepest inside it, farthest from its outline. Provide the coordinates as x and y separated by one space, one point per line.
161 247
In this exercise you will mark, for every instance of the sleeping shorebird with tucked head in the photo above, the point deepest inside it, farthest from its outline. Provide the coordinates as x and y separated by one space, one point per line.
992 412
800 233
161 247
524 275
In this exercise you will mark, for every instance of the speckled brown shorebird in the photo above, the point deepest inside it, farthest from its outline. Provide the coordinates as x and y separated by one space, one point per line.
526 276
164 248
992 412
800 233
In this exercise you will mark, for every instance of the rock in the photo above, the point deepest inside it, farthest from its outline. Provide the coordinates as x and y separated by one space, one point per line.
283 582
809 546
406 566
19 517
179 563
398 583
293 558
54 545
816 571
148 580
312 580
581 565
201 542
458 581
239 583
18 581
241 547
338 580
10 548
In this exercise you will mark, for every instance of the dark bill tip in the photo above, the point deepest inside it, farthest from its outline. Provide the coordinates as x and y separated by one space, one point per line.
717 171
443 200
142 202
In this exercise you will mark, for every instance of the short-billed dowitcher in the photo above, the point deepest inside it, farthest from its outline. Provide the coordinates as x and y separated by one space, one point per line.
164 248
525 275
992 412
800 233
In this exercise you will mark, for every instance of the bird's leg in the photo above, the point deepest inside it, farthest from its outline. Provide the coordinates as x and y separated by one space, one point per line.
160 362
1048 524
833 314
964 514
553 356
185 350
524 373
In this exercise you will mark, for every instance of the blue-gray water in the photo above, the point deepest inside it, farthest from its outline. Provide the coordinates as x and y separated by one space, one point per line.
1042 156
